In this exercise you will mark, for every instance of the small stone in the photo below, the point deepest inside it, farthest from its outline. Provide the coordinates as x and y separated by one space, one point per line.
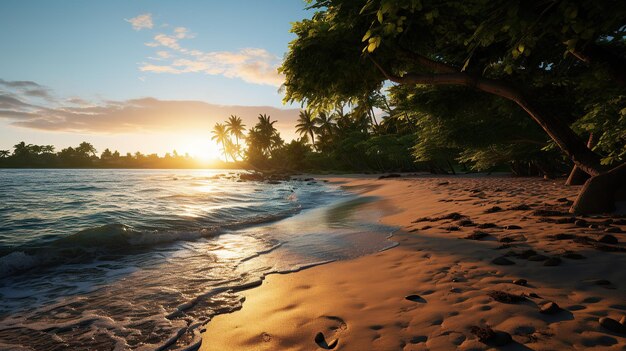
452 228
550 308
608 239
552 261
593 226
612 325
502 261
522 282
581 223
613 230
512 227
562 199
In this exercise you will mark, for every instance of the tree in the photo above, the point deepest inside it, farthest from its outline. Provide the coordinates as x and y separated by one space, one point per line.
306 125
510 50
220 136
235 127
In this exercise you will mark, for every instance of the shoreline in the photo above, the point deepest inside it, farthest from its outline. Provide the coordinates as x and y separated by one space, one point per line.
361 302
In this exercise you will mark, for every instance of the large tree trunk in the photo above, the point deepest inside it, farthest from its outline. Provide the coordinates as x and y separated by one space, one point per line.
600 192
577 176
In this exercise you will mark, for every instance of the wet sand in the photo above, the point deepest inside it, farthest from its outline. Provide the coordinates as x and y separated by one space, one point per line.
449 285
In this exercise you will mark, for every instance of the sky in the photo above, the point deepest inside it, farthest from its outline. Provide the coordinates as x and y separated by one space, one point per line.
141 75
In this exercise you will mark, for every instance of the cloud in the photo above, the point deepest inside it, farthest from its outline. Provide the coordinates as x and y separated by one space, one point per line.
143 115
27 88
252 65
143 21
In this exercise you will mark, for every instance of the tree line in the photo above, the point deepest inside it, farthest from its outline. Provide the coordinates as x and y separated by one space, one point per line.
85 156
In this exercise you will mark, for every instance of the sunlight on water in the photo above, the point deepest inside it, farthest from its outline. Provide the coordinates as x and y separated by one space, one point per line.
140 259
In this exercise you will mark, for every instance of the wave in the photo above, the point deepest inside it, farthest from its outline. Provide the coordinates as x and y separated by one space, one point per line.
120 239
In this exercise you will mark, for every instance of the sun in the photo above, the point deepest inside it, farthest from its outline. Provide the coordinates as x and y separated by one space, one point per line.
202 149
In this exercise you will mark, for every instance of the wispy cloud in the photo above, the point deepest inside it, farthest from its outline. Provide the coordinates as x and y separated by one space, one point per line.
252 65
129 116
143 21
27 88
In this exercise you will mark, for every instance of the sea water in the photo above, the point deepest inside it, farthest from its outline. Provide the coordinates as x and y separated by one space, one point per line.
142 259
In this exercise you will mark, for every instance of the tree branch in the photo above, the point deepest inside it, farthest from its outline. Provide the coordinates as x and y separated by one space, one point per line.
559 131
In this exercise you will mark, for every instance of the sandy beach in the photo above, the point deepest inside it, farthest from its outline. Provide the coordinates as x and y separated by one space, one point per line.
480 258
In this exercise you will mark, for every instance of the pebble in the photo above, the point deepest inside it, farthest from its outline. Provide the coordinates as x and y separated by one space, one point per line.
414 298
512 227
522 282
493 209
550 308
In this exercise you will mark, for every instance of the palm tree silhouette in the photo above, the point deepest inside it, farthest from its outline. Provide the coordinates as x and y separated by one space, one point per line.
235 127
220 135
326 123
306 125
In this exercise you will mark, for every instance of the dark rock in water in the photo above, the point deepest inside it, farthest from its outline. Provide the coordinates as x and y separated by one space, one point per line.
486 225
251 176
581 223
534 296
502 261
505 297
550 308
320 340
273 182
491 337
452 228
522 282
512 227
612 325
443 183
507 239
538 258
415 298
552 261
392 175
522 207
493 209
477 235
613 230
608 239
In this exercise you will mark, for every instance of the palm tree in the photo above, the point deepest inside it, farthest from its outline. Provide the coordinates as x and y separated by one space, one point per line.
326 123
220 135
306 125
235 127
4 153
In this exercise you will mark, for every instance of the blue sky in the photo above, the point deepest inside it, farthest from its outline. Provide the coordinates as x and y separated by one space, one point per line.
102 54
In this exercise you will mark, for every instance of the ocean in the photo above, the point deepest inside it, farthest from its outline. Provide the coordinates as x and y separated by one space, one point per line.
112 259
